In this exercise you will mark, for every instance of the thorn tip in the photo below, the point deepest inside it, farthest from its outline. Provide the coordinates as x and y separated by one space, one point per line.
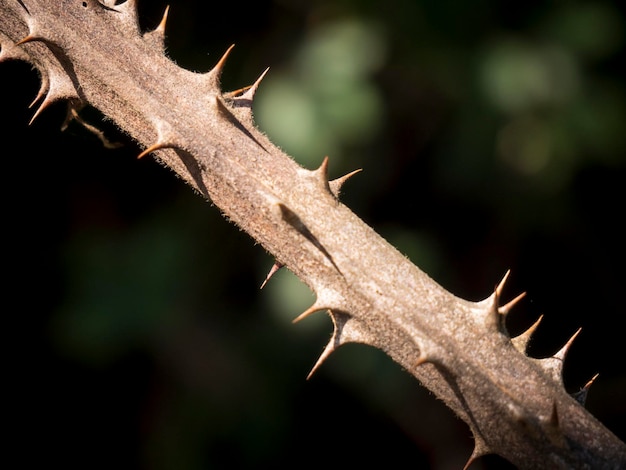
153 148
505 309
309 311
274 269
500 286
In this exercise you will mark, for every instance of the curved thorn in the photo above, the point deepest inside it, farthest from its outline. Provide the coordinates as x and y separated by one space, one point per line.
29 38
480 450
152 148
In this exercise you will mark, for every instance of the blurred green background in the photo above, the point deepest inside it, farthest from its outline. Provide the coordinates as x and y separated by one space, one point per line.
491 137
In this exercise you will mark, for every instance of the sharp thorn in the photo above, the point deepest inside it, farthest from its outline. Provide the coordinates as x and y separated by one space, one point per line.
152 148
251 91
581 395
235 93
500 287
322 175
336 184
327 352
161 27
275 267
217 69
507 308
43 90
553 429
521 341
566 347
323 169
421 360
590 382
29 38
309 311
480 449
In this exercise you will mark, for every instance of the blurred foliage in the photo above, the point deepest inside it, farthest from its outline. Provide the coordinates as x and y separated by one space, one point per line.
491 136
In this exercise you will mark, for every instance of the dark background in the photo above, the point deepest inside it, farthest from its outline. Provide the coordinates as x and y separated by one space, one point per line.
491 135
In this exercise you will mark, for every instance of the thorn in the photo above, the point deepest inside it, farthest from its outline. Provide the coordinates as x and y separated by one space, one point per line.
152 148
323 169
165 139
554 416
234 93
428 358
336 184
553 429
29 38
309 311
566 347
494 316
340 336
480 450
44 104
247 92
581 395
157 36
554 364
322 175
51 95
521 341
421 360
275 267
328 350
251 91
505 309
216 72
161 27
500 287
43 90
